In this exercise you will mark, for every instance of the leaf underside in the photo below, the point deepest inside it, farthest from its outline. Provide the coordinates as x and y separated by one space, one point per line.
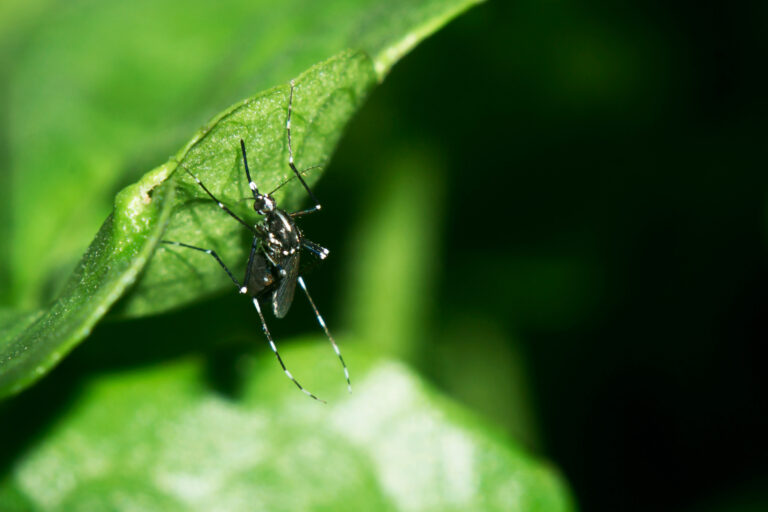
324 99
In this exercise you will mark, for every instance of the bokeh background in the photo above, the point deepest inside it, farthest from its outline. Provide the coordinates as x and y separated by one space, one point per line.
572 198
596 185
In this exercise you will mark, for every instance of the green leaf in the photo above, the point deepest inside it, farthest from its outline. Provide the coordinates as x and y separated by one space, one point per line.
396 252
81 166
159 438
324 99
31 343
99 91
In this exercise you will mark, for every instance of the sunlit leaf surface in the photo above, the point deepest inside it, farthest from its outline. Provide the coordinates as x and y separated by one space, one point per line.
159 438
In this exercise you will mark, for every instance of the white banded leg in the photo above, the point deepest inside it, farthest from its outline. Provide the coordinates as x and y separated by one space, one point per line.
220 204
319 251
292 165
210 252
251 183
327 332
304 212
247 278
277 354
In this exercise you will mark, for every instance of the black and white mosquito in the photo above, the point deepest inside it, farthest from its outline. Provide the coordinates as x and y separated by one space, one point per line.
273 265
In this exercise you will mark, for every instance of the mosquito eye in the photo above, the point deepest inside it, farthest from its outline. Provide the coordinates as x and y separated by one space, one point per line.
263 203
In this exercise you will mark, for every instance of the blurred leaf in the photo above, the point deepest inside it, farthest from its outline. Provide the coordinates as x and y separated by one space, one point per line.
160 439
479 365
396 258
31 343
97 91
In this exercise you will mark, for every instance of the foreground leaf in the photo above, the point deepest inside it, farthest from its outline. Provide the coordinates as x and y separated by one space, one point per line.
160 439
32 343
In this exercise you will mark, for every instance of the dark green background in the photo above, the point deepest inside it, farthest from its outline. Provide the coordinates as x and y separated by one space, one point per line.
603 223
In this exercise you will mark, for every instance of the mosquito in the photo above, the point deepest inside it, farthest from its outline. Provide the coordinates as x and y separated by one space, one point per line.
273 264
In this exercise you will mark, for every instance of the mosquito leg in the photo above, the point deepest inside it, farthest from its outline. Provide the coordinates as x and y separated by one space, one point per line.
319 250
277 354
327 332
278 267
247 278
290 152
304 212
221 205
212 253
251 183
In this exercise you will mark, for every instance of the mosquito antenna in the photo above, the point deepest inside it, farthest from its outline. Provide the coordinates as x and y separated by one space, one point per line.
217 201
251 183
286 181
290 150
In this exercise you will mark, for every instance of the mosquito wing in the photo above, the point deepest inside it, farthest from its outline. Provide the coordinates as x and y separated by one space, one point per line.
260 276
282 298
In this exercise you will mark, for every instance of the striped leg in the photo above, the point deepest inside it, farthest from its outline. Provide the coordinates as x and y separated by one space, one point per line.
320 251
251 183
220 204
247 278
277 354
304 212
327 332
210 252
317 205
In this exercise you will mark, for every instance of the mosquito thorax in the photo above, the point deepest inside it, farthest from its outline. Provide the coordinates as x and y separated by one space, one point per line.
282 237
264 204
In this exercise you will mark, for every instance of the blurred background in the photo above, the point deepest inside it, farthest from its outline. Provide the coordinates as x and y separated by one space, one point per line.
556 211
593 177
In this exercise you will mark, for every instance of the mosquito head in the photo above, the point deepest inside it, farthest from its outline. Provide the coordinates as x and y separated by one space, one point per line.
263 204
